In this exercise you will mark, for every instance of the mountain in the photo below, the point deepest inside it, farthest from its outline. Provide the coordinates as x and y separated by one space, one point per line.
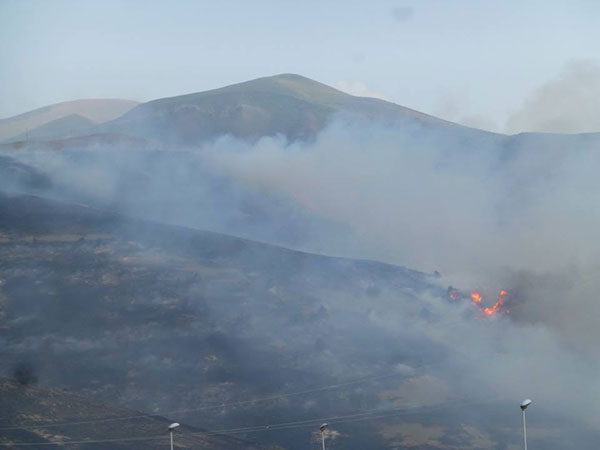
287 104
118 294
67 126
290 105
34 415
94 110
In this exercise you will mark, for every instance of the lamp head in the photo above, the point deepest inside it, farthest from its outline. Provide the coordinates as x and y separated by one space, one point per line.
173 426
323 427
525 403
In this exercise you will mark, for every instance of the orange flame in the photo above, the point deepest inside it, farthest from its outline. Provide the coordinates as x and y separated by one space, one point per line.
496 307
475 298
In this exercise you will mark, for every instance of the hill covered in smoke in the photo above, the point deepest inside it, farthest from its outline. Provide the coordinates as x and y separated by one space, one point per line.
190 245
289 105
225 333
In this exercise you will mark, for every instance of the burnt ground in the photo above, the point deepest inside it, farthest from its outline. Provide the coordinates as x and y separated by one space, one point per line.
160 319
57 415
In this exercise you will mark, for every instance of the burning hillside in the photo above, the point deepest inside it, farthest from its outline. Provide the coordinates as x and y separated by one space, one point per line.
478 301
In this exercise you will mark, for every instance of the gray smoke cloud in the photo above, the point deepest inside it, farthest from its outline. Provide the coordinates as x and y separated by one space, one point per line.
495 213
486 211
516 215
569 103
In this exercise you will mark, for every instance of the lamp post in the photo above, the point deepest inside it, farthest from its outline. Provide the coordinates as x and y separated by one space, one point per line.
323 428
524 404
171 429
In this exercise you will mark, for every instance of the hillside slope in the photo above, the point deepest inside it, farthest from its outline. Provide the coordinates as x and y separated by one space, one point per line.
161 318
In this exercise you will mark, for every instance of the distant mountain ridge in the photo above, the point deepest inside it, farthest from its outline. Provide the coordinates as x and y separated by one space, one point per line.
287 104
93 110
67 126
290 105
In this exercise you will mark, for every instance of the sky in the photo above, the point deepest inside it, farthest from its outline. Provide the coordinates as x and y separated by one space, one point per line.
492 65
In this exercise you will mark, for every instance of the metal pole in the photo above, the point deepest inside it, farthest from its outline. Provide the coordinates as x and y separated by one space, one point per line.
524 432
322 437
171 439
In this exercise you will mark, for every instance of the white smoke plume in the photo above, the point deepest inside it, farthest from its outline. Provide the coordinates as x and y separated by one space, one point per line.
514 212
488 212
568 104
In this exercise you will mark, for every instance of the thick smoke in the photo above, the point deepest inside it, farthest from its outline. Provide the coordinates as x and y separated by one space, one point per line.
513 213
510 213
517 214
488 212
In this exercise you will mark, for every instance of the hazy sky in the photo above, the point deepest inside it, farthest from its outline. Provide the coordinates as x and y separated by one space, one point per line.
469 61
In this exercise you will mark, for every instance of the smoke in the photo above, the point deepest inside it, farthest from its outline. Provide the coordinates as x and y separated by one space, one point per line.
516 214
428 203
568 104
488 212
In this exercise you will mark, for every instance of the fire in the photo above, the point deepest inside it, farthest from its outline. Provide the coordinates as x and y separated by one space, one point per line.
455 294
497 307
477 301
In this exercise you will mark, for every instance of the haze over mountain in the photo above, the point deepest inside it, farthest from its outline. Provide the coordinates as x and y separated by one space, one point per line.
93 110
64 127
289 105
380 216
124 276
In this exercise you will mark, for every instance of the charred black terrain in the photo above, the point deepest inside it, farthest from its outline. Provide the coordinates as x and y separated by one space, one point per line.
31 414
162 318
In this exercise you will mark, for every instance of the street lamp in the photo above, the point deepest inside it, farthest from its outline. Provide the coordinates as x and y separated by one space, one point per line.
524 404
171 429
323 428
